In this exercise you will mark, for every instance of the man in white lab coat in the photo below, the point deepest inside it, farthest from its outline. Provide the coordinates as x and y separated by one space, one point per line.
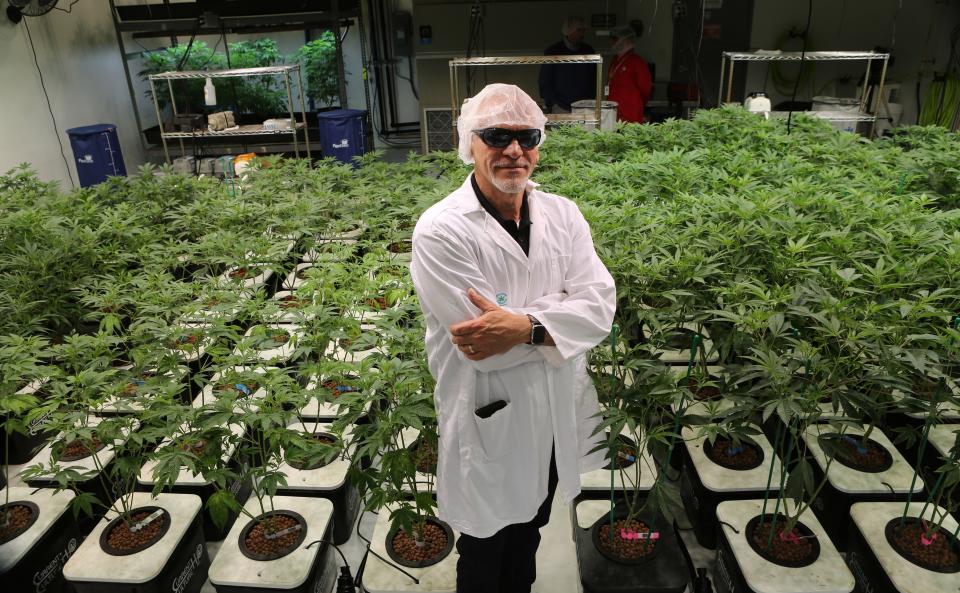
514 296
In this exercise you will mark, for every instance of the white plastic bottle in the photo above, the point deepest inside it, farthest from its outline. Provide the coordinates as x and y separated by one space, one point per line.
209 92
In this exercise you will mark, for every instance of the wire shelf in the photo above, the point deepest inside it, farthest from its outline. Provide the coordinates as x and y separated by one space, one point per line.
562 119
828 115
248 130
523 60
234 73
814 56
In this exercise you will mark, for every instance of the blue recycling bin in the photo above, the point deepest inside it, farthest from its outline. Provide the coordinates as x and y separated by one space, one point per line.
342 134
96 153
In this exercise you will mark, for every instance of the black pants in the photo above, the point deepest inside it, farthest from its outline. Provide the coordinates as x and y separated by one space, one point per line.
505 562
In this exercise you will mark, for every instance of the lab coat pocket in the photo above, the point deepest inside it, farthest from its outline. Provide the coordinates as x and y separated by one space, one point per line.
495 432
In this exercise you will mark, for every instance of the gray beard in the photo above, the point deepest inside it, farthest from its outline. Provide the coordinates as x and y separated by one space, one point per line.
509 186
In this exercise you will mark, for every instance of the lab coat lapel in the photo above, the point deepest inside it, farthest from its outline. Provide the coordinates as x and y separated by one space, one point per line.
502 238
537 224
468 204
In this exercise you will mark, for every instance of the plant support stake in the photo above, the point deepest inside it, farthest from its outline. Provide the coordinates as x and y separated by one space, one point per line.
694 347
613 464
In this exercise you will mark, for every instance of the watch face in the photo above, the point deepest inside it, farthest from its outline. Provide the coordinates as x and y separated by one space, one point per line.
539 333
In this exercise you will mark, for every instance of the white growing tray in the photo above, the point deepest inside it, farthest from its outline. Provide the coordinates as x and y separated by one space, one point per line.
322 479
851 481
51 506
827 574
91 563
232 569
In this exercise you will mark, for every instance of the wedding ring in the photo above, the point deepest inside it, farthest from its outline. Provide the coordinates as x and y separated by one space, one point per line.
470 346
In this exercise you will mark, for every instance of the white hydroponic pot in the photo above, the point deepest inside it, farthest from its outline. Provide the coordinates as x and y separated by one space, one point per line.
188 483
327 481
192 353
947 411
267 350
147 383
353 233
320 407
329 250
203 311
18 448
305 569
404 254
876 563
369 309
941 439
289 314
706 481
777 422
740 569
597 483
337 352
425 481
380 577
177 561
287 240
247 277
294 279
33 560
89 466
209 393
847 485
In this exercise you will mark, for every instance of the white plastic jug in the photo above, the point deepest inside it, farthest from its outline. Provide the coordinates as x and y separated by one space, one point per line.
758 102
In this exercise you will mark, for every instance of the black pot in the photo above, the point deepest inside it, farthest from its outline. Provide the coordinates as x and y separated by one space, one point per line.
663 571
429 562
19 448
41 568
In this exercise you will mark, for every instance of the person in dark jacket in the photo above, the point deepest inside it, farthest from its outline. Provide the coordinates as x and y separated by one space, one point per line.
562 84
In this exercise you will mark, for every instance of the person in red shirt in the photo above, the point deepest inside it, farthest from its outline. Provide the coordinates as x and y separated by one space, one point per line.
629 77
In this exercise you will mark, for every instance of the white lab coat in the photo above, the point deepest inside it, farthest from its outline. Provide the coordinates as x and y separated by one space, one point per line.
493 472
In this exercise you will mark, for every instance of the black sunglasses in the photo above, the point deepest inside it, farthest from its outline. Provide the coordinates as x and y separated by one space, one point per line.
502 137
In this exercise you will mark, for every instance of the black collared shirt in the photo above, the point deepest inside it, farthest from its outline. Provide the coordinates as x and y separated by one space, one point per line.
520 231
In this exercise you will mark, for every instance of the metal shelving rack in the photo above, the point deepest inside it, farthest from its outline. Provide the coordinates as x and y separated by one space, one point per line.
552 119
813 56
247 130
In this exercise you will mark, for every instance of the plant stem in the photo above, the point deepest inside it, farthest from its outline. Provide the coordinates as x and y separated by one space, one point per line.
916 471
766 491
783 478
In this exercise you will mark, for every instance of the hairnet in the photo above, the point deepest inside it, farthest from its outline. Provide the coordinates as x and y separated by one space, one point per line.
497 105
623 33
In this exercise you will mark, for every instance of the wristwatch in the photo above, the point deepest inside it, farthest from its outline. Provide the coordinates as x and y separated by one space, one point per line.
538 333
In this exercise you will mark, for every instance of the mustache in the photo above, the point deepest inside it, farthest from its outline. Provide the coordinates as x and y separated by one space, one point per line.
510 164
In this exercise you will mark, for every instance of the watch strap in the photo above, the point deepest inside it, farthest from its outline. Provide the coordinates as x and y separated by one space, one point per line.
538 333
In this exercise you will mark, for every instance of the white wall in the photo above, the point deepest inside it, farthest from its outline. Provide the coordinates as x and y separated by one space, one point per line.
913 29
83 72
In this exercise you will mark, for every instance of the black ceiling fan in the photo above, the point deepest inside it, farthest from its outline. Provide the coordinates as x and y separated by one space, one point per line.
18 9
